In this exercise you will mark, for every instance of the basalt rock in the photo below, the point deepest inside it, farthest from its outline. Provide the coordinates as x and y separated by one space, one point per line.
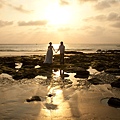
81 73
8 70
116 83
98 65
114 71
114 102
95 81
34 98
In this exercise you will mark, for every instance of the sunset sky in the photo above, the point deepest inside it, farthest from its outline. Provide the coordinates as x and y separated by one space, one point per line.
72 21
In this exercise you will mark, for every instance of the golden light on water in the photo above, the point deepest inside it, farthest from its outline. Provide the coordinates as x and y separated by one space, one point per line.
56 46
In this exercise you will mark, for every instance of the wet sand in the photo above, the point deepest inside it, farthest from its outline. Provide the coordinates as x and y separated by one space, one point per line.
78 100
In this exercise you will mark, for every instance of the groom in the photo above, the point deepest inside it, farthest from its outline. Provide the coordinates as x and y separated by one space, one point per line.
62 50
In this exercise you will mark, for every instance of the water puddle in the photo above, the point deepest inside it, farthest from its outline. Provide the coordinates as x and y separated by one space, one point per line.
37 66
18 65
41 77
104 101
92 71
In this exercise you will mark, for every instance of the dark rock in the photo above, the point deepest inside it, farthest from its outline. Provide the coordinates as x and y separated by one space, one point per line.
50 95
1 71
8 62
64 75
107 51
95 81
98 65
114 71
18 75
34 98
73 52
116 83
81 73
28 66
26 73
8 70
114 102
50 106
81 76
112 51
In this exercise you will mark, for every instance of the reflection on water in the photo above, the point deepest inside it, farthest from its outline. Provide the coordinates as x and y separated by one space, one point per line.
40 77
37 66
92 71
62 73
18 65
57 90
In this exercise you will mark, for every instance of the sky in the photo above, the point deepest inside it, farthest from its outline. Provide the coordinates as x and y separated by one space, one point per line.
71 21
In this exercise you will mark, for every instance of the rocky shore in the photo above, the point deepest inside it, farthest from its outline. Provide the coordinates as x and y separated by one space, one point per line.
75 62
24 69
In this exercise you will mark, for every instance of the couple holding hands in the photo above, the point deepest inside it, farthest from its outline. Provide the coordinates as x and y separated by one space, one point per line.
49 54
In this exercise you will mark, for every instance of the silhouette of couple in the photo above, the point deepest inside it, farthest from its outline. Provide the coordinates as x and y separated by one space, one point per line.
49 54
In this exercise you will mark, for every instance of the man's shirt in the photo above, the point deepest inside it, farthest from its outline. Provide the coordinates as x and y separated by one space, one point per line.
62 49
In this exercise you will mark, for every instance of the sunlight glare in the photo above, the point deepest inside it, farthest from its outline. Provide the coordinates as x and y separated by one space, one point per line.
57 15
56 46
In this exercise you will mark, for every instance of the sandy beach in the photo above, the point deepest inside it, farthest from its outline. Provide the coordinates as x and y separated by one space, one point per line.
62 96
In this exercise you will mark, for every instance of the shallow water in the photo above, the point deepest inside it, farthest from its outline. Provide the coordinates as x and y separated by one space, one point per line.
72 98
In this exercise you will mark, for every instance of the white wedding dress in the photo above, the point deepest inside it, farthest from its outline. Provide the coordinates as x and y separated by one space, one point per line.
49 55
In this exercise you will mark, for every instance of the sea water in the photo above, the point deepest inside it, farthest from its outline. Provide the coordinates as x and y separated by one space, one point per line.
40 49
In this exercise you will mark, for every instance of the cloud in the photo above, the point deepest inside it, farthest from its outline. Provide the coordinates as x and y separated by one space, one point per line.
96 30
116 25
106 4
0 5
102 5
64 2
20 9
5 23
110 17
98 18
87 0
83 1
113 17
32 23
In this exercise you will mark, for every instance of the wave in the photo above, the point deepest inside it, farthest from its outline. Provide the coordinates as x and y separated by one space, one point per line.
22 50
81 49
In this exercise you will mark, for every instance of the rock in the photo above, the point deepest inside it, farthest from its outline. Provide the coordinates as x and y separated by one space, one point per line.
98 65
73 52
114 71
8 62
81 73
25 73
8 70
95 81
50 106
114 102
64 75
34 98
50 95
81 76
116 83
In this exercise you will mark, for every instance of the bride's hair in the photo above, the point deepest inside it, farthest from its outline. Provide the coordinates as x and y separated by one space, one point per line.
50 42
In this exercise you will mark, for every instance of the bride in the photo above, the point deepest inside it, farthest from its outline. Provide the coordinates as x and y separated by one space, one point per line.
49 54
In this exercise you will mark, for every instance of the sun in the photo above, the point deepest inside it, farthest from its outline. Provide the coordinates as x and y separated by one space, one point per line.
57 15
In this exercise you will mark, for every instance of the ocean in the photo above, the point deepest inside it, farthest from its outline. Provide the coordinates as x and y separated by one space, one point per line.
40 49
